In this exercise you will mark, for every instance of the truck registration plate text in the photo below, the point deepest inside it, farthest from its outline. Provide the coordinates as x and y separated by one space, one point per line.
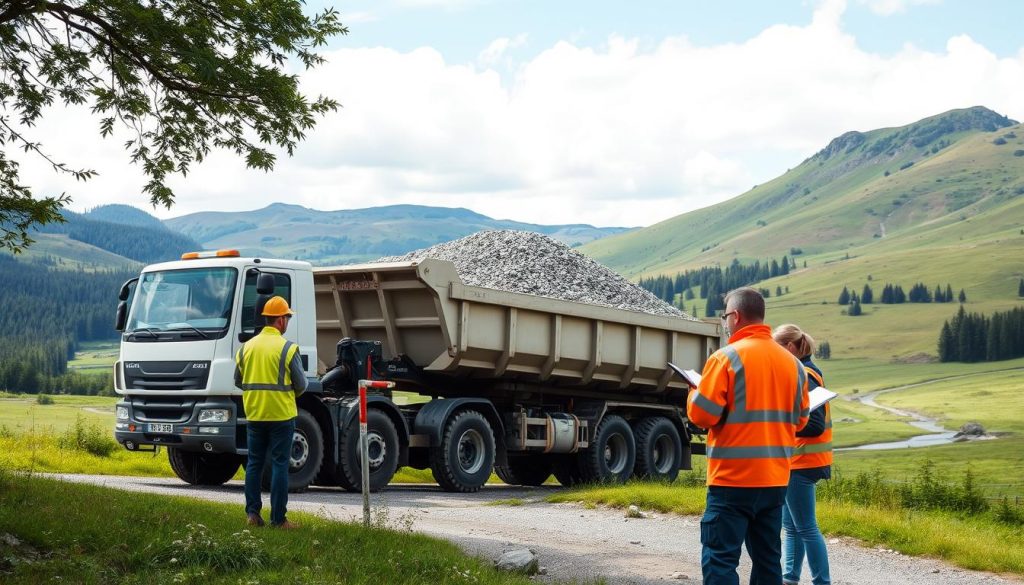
160 428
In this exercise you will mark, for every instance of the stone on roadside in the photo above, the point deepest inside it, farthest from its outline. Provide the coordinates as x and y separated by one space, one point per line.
678 575
520 560
633 511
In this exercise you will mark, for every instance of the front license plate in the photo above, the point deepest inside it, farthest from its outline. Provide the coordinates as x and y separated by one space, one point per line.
160 428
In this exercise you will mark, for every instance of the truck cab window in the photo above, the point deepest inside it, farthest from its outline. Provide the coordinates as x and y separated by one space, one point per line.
282 288
192 302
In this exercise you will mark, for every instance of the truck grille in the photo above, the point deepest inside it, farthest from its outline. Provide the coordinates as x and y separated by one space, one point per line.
156 375
152 409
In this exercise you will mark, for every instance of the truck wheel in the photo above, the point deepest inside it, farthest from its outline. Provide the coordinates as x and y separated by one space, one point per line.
305 457
659 450
382 439
198 468
611 456
567 470
463 461
532 470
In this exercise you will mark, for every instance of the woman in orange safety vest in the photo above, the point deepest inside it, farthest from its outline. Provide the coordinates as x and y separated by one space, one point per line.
811 462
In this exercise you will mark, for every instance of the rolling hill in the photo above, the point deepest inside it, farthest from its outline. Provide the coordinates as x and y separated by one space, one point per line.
938 201
345 236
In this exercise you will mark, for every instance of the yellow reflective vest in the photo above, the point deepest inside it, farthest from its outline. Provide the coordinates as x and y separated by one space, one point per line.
265 376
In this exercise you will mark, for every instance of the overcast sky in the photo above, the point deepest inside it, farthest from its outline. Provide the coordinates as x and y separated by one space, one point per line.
608 113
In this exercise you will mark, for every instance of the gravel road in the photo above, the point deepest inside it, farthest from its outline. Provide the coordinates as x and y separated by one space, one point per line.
572 542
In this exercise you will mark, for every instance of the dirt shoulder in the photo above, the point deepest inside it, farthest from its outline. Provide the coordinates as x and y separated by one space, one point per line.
572 541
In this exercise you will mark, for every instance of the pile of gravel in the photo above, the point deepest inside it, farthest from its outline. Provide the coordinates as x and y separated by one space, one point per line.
534 264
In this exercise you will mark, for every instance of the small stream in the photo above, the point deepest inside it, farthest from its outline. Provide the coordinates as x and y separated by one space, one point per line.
937 434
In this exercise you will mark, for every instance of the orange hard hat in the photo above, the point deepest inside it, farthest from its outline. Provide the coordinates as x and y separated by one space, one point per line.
277 307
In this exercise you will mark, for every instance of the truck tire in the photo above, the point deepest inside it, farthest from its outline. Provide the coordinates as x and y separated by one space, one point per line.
382 438
611 456
464 459
659 450
305 457
198 468
531 470
567 470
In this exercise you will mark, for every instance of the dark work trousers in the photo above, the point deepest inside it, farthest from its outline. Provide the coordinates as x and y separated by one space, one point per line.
734 516
275 439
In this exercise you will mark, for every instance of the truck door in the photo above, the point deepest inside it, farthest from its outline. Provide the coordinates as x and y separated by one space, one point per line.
250 322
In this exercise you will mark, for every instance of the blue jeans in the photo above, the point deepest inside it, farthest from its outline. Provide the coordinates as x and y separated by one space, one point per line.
274 438
734 516
802 533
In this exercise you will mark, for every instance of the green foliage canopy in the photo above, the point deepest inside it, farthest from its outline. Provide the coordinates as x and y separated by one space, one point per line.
183 77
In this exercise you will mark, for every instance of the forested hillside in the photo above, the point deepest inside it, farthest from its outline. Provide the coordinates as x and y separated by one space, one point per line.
47 313
138 239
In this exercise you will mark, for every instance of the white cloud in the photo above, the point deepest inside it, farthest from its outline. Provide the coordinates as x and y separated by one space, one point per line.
494 52
621 134
890 7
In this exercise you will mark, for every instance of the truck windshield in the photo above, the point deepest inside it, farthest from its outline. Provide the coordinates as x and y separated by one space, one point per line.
195 302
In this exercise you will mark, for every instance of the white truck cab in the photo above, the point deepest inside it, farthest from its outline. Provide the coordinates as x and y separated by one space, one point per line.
182 323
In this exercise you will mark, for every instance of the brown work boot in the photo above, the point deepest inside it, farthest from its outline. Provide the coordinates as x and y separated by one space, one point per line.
254 520
286 525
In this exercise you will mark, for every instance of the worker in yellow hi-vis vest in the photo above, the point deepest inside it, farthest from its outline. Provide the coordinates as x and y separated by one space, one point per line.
269 372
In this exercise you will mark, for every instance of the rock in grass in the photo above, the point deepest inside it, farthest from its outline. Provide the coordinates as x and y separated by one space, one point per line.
971 429
520 560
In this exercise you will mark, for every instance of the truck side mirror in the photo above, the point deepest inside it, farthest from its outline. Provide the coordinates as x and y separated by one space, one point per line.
265 284
126 289
122 316
124 295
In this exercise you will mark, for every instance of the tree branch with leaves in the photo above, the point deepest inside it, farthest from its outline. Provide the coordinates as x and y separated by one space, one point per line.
184 76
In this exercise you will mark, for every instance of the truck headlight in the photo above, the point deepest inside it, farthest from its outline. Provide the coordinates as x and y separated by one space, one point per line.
122 413
214 415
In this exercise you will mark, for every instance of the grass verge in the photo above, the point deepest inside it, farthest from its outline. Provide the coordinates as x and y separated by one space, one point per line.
908 517
88 534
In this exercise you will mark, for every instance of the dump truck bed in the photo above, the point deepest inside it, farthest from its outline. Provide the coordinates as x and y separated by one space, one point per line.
423 310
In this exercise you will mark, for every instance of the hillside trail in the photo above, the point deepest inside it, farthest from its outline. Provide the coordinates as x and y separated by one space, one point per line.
572 541
937 434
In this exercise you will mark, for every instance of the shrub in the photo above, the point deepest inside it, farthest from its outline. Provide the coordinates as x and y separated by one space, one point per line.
91 438
926 491
44 399
1009 513
1018 153
999 141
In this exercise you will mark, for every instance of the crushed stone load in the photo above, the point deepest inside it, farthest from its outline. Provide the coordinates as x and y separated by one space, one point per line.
534 264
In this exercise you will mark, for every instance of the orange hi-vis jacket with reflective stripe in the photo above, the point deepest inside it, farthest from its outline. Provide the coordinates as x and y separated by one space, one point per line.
811 452
752 399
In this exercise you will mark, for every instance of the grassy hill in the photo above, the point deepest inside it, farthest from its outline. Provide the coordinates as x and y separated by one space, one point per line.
326 237
938 201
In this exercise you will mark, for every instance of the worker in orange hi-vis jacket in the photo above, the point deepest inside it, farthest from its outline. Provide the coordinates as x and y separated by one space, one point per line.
752 399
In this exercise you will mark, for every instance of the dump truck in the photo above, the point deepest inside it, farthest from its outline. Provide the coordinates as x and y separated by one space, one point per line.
484 380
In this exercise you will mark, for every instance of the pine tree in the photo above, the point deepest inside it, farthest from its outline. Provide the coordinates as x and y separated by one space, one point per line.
1020 288
867 296
784 265
963 296
938 294
854 310
778 291
844 297
947 344
898 295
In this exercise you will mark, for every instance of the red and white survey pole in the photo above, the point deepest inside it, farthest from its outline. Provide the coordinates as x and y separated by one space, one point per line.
364 446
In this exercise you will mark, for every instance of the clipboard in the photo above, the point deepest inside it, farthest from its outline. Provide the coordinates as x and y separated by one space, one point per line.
691 376
820 396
